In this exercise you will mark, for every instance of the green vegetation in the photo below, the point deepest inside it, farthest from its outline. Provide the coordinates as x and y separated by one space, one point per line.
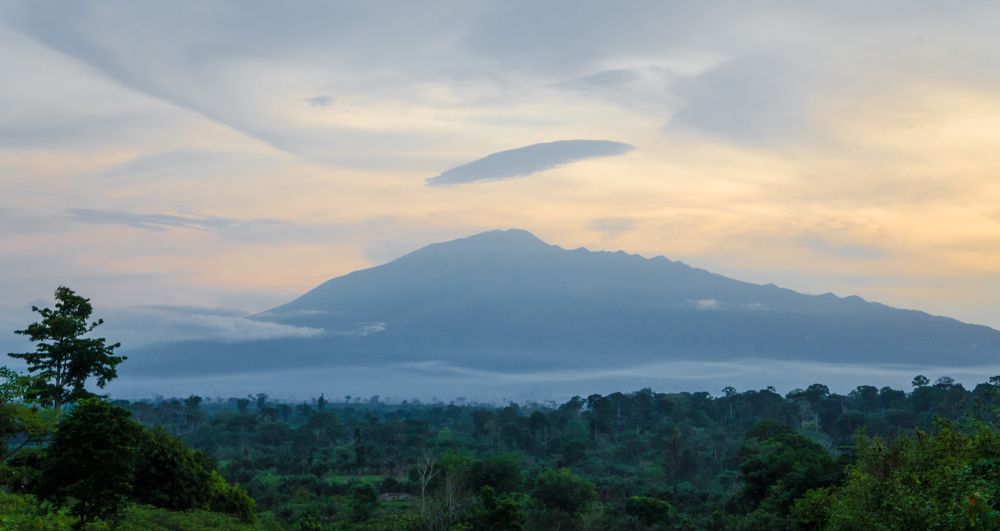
642 460
64 359
811 459
92 466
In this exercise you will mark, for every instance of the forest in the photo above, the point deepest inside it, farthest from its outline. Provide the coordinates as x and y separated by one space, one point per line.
874 458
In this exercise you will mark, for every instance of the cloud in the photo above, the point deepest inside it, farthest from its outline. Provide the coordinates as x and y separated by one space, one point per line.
382 238
753 99
138 325
319 102
439 380
526 160
705 304
256 230
151 222
200 58
362 329
146 324
644 88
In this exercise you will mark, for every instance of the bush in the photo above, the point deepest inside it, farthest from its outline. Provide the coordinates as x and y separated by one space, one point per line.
91 461
171 475
148 518
232 499
19 511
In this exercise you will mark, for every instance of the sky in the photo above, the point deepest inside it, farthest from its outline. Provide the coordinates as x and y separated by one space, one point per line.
191 162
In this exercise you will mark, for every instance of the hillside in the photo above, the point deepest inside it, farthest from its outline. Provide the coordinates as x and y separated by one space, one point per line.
505 300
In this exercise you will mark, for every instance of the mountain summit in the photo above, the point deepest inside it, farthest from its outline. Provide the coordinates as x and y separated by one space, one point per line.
506 300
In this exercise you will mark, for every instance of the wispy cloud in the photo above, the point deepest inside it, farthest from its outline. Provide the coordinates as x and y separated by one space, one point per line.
138 325
318 102
362 329
383 238
152 222
526 160
705 304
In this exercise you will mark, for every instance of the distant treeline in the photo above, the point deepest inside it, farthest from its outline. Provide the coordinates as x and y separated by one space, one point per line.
811 459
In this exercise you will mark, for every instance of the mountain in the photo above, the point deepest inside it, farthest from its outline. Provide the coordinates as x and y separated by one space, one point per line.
507 301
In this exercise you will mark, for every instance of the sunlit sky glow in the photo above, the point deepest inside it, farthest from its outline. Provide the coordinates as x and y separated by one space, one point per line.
235 154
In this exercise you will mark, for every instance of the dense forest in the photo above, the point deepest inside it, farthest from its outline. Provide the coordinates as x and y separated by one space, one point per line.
927 458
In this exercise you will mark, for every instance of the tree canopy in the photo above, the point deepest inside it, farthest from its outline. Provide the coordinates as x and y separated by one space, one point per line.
64 359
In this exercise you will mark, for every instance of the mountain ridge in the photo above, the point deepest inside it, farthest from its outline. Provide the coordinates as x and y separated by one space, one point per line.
506 300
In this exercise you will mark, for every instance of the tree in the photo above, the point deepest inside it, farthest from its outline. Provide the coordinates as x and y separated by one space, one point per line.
455 469
17 419
920 381
192 411
562 490
500 472
92 461
650 512
232 499
777 466
496 512
817 392
64 360
426 470
946 479
944 382
169 474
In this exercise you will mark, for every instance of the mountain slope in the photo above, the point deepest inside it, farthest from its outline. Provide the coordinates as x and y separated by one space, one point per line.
506 300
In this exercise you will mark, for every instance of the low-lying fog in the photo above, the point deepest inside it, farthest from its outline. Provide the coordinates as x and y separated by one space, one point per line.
433 381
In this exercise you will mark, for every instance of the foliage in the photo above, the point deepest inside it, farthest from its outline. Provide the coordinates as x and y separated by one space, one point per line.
562 490
25 512
777 466
21 422
231 499
498 512
91 461
649 512
947 479
751 459
501 472
172 475
148 518
99 460
64 359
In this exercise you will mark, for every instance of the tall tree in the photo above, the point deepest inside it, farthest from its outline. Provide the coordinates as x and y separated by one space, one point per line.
64 359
